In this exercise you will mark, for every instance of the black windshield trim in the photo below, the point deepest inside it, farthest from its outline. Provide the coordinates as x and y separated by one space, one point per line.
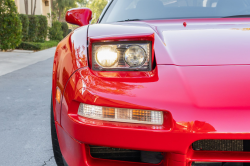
177 18
237 16
129 20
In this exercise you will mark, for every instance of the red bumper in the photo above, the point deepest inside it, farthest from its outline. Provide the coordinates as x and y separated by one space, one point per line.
175 145
186 118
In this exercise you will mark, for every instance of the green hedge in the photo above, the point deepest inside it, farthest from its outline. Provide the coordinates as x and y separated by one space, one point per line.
65 29
69 31
42 28
33 28
37 46
25 26
10 25
55 32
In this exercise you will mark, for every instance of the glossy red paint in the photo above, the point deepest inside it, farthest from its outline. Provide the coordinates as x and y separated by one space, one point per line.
184 24
79 16
70 55
201 84
204 42
132 29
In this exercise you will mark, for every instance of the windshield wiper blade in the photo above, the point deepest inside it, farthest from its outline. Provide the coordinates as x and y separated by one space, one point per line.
236 16
129 20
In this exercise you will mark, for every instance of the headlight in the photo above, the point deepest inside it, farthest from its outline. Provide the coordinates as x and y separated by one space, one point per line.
121 114
122 56
106 61
135 56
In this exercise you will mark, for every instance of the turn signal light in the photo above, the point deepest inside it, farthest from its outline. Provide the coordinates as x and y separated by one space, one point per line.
58 95
121 114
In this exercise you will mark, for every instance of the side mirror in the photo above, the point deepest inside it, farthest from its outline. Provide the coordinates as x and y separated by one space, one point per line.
79 16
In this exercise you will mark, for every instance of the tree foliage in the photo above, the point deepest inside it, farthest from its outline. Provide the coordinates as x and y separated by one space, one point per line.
10 25
96 6
60 7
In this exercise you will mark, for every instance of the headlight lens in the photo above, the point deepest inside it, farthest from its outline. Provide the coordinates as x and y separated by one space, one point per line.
106 56
122 56
135 56
121 114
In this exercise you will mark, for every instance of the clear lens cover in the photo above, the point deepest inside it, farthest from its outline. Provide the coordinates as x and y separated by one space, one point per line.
101 56
121 114
122 56
135 56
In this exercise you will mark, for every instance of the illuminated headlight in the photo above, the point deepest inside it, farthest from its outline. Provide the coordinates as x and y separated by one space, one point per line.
121 114
122 56
106 61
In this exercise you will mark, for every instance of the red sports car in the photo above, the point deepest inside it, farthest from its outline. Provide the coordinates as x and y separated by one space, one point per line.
154 83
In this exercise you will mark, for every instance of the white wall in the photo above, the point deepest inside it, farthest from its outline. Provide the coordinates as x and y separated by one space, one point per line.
38 10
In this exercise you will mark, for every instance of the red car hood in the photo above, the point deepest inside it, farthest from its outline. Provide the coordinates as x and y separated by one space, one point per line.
223 41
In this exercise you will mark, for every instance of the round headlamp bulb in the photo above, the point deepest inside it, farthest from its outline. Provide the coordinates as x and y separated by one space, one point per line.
106 56
135 56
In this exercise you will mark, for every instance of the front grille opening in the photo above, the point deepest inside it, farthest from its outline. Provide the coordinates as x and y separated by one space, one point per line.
125 154
219 164
220 145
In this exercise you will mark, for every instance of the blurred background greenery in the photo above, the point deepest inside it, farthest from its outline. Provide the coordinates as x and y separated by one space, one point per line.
32 32
60 7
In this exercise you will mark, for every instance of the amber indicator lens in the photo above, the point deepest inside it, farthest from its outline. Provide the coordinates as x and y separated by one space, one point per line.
58 95
141 115
108 112
121 114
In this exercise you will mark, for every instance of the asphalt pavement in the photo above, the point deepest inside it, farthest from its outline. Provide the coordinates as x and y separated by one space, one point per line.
25 94
17 59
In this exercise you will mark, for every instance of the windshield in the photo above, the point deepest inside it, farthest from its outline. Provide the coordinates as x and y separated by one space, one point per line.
129 10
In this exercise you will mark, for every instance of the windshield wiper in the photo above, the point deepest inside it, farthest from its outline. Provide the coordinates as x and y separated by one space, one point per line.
236 16
129 20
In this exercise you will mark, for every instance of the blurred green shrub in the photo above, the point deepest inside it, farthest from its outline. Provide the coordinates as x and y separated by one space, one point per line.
55 32
69 31
33 28
28 46
37 46
10 25
25 26
42 28
65 29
